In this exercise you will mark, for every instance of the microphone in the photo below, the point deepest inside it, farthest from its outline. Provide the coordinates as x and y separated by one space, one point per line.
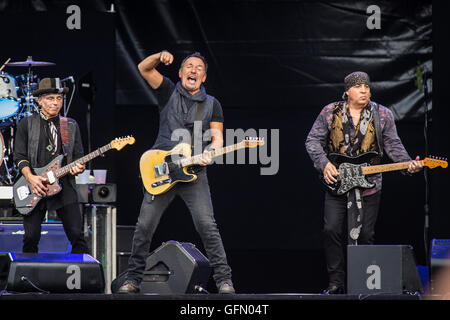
68 78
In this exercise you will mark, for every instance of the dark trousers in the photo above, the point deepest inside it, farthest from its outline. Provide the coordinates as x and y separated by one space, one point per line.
197 197
70 216
335 232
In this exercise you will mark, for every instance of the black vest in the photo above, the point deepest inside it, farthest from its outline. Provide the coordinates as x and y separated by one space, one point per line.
173 118
34 131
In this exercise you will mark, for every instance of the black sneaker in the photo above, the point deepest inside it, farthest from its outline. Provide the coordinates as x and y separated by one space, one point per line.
226 288
129 286
333 289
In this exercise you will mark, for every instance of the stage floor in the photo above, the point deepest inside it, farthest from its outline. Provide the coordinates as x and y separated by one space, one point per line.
207 297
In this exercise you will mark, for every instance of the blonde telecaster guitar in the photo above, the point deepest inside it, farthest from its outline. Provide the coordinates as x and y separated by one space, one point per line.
161 170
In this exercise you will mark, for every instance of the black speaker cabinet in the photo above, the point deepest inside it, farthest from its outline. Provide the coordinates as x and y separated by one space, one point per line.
104 193
375 269
175 268
97 193
439 259
51 272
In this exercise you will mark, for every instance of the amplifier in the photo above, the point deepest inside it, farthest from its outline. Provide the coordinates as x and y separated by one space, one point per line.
439 262
53 273
375 269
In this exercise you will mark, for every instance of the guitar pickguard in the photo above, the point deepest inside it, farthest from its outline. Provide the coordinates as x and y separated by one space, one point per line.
176 172
351 176
24 199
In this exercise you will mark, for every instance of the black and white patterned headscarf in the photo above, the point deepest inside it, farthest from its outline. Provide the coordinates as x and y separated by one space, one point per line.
356 78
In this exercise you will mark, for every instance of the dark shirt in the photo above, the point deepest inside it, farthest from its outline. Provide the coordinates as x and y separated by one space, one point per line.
68 194
165 90
316 142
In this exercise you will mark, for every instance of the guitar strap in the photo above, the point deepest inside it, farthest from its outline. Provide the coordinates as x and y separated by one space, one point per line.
197 133
197 130
64 130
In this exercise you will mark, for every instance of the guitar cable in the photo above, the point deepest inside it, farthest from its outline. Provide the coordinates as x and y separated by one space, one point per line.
25 279
200 289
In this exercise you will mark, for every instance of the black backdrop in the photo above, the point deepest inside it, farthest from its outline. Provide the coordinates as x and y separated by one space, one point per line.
273 65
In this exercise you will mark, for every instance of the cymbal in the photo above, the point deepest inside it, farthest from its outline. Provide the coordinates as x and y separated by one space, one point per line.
30 63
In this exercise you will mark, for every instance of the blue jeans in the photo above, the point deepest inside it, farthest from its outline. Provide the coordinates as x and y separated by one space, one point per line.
197 197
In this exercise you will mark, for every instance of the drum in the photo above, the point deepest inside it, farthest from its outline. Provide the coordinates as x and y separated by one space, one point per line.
9 103
2 149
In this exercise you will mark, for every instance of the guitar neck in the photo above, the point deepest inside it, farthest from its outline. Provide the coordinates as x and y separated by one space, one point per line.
213 153
61 172
385 167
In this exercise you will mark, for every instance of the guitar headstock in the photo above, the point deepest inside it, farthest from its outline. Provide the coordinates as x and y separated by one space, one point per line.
252 142
433 162
119 143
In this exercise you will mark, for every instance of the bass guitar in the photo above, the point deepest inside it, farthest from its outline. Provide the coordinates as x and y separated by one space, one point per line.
353 170
161 170
24 198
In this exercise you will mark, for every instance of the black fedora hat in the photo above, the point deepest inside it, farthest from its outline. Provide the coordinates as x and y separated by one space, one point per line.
50 85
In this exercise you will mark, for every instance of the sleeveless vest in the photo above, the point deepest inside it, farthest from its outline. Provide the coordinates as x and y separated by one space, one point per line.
34 131
173 118
371 142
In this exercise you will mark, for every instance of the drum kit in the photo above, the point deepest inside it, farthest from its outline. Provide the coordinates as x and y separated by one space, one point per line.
16 102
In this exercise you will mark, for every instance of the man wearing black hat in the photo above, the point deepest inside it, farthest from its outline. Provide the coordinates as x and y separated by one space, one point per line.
39 139
352 127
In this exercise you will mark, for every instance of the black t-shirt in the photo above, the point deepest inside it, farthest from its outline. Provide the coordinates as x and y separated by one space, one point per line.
165 90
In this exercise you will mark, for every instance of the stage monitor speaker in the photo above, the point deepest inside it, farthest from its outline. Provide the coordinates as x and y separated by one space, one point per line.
97 193
375 269
175 268
104 193
51 272
53 238
439 259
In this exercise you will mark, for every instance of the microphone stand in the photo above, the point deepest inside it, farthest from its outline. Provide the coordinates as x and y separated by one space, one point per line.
426 175
87 91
